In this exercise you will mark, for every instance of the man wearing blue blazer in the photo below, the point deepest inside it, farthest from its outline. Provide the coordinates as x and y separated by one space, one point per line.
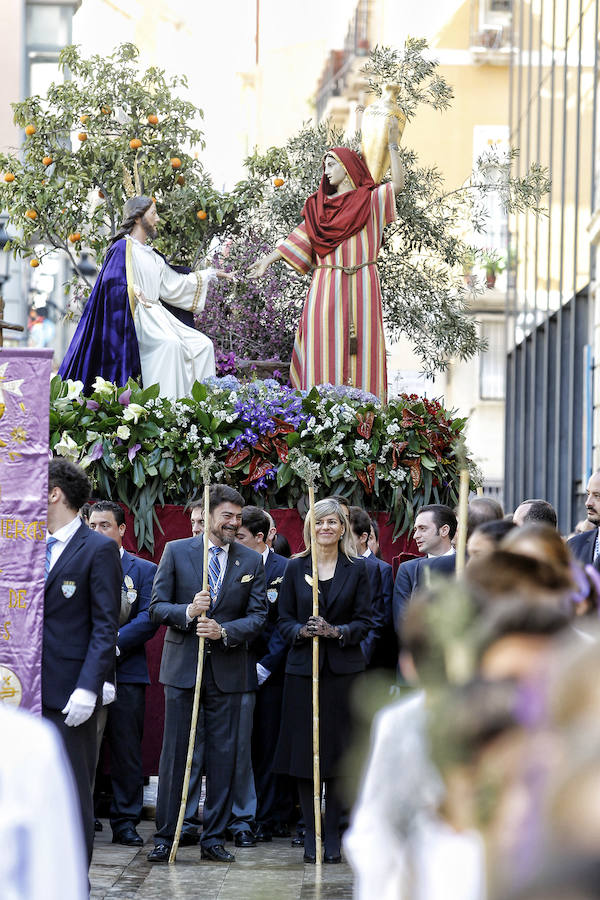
584 546
236 608
81 615
273 792
386 653
125 721
435 527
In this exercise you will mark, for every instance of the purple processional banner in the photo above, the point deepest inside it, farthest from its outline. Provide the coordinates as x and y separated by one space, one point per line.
24 440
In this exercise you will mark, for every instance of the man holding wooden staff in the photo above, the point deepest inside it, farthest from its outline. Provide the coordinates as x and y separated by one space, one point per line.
235 608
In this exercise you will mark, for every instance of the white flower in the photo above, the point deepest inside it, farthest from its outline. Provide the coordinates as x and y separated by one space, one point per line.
393 428
361 448
67 447
132 412
123 432
101 386
74 389
311 423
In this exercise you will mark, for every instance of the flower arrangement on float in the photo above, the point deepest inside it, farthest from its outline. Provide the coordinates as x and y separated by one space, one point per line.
144 450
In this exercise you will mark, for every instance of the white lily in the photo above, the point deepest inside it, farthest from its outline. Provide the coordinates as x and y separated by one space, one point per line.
74 389
101 386
67 447
132 412
123 432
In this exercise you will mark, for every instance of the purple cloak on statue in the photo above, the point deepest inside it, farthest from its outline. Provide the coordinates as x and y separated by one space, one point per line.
105 342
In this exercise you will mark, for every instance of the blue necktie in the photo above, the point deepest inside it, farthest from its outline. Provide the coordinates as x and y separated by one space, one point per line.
214 573
50 541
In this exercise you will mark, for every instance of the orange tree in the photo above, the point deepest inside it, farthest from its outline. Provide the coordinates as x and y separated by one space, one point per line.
108 128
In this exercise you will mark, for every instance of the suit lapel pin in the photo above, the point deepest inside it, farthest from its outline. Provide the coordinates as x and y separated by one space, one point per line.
237 562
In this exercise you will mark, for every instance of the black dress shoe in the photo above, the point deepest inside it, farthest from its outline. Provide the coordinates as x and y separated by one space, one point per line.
127 836
245 839
160 853
263 835
98 826
280 831
217 853
188 839
332 859
297 841
309 858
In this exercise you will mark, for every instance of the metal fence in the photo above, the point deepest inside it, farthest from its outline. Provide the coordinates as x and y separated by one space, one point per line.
552 116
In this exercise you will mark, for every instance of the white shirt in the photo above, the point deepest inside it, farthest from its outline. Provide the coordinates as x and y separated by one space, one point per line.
63 535
449 552
265 555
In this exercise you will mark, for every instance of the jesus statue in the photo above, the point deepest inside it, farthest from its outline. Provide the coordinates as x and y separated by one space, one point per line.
126 331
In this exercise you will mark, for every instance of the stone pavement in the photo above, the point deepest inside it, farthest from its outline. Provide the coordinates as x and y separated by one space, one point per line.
272 871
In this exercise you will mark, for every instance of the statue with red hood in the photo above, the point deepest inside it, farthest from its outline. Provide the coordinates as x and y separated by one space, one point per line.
340 338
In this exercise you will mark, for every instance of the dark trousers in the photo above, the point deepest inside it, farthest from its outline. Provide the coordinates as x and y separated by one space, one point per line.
218 722
333 816
274 793
80 745
124 732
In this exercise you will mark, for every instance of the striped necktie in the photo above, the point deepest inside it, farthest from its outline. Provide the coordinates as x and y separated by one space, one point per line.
50 541
214 573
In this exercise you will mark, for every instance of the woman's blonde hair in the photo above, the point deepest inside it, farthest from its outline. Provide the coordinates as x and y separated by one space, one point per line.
329 507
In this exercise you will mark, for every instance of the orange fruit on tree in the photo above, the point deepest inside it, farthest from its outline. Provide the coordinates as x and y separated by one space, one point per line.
82 136
278 182
31 214
30 129
135 143
153 120
75 236
84 119
106 110
101 194
9 177
180 179
175 162
202 214
47 160
34 263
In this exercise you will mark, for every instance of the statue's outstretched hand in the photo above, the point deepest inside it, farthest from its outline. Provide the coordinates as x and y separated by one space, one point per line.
221 273
258 269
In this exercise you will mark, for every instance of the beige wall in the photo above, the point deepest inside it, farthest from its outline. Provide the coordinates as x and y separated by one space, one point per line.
11 68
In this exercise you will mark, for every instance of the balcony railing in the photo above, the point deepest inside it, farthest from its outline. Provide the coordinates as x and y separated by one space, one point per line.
340 64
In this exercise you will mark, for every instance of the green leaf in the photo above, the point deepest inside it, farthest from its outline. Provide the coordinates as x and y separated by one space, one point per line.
166 467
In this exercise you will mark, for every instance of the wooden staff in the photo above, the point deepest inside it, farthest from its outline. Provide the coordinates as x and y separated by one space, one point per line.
463 510
198 685
315 679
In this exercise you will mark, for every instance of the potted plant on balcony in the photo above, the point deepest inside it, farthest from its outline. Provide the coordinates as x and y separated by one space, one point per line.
494 265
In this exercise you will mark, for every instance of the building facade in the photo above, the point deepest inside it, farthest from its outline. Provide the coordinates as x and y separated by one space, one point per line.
552 426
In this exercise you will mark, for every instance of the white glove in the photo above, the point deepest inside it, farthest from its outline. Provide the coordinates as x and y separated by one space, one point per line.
261 673
80 706
109 692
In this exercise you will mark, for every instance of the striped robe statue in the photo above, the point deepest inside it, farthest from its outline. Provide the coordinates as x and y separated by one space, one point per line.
340 301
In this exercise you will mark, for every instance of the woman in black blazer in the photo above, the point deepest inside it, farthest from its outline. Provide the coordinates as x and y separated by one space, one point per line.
343 621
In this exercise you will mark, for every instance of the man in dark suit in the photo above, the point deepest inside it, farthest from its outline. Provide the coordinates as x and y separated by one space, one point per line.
237 608
386 654
273 792
584 546
360 526
435 527
81 614
125 719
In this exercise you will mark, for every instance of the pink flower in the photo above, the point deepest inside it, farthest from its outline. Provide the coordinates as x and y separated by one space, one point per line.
132 452
125 397
96 450
91 404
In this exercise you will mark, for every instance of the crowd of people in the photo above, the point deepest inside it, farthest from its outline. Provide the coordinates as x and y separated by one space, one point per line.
481 778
